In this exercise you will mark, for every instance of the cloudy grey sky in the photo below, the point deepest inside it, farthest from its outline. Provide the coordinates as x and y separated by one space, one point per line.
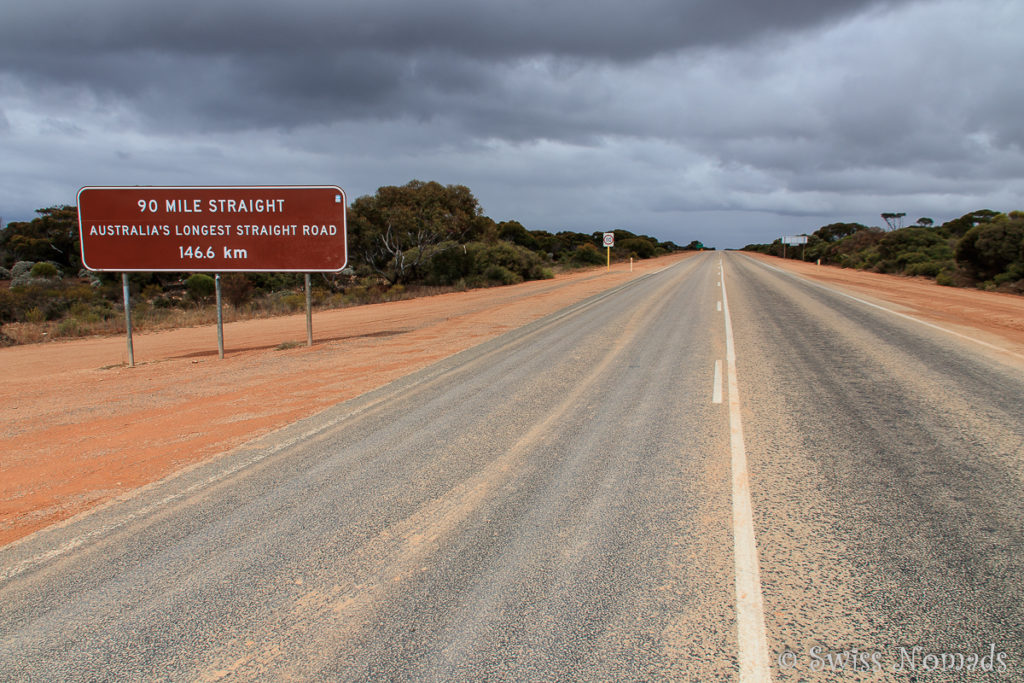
729 121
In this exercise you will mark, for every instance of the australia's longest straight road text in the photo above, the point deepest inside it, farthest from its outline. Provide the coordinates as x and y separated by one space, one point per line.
557 504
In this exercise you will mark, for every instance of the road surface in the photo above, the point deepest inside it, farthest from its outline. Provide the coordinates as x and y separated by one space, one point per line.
718 471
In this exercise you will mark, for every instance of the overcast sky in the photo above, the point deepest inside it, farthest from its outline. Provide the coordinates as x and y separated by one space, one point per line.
728 121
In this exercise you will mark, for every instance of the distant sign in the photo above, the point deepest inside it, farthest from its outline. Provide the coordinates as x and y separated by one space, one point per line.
213 229
796 239
609 239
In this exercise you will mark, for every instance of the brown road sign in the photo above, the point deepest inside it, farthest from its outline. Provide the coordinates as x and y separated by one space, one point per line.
213 229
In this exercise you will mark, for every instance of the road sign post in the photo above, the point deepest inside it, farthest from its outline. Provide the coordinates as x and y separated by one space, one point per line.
220 318
309 311
609 242
206 229
128 318
794 240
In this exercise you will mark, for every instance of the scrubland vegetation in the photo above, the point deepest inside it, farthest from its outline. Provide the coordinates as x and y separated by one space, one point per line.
404 241
982 249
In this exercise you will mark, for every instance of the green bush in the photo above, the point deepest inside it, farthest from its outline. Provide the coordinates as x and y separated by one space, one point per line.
990 248
501 275
483 263
586 255
294 301
928 268
449 263
200 286
528 265
638 246
44 269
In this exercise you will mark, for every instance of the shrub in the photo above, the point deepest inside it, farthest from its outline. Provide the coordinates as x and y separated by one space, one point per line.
294 301
638 246
928 268
501 275
526 264
237 289
44 269
482 263
989 249
449 263
152 291
21 274
21 268
200 286
851 251
586 255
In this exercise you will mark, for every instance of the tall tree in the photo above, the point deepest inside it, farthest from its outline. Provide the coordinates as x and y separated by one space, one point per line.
52 236
395 231
989 248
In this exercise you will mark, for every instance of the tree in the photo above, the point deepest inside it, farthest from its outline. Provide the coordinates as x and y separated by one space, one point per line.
851 250
52 236
925 222
988 249
392 232
514 232
958 227
893 220
834 232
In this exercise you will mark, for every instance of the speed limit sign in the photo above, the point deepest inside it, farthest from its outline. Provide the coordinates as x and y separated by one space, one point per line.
609 239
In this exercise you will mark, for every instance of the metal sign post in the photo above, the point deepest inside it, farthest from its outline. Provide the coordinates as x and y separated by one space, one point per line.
609 242
220 318
794 240
309 312
128 318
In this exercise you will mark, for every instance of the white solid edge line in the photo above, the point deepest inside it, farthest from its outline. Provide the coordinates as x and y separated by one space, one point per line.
897 313
751 634
716 388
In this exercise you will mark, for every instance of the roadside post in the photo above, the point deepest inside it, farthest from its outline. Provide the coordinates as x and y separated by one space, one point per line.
128 318
309 312
220 318
795 240
609 242
213 229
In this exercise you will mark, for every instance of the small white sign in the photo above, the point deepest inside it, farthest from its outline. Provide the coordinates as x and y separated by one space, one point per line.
609 239
795 239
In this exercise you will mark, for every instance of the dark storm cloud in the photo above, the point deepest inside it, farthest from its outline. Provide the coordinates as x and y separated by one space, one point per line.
565 115
216 65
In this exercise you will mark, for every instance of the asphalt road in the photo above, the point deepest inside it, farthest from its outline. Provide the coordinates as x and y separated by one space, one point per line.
561 504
